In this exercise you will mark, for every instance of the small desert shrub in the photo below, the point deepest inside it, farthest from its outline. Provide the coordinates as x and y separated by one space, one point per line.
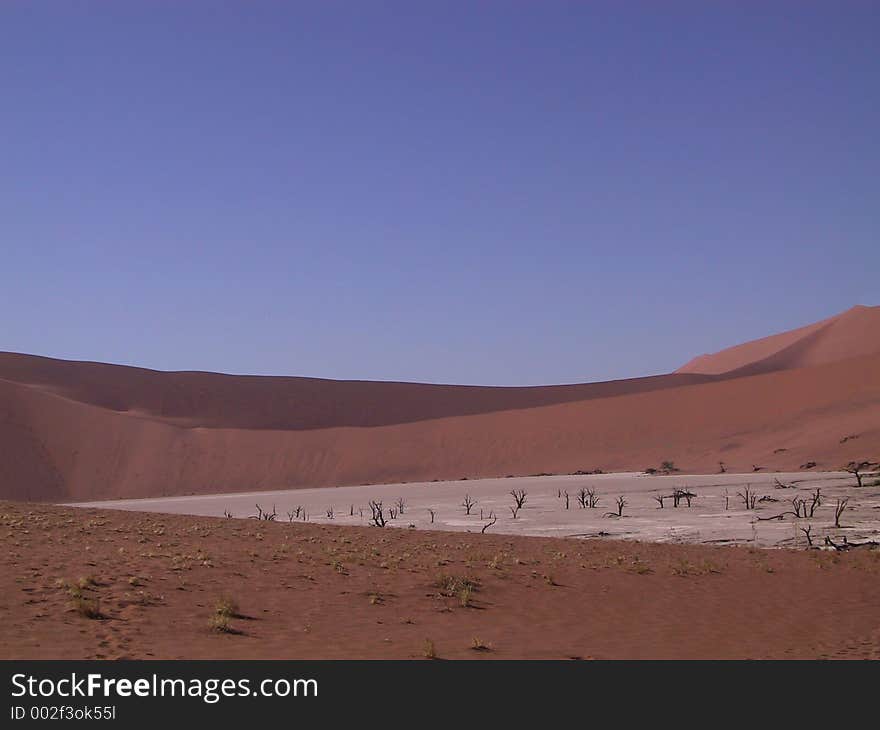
87 607
460 587
452 585
685 568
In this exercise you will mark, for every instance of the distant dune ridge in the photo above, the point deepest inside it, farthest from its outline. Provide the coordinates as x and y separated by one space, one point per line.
78 430
850 334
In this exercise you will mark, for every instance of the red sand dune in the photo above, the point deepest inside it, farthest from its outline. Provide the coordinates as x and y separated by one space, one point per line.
77 431
852 333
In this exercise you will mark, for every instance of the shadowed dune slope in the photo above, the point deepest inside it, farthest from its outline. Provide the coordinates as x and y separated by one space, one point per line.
213 400
61 449
853 333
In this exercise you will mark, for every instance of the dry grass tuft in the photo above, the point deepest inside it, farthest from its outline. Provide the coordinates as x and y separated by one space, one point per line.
478 645
429 651
227 608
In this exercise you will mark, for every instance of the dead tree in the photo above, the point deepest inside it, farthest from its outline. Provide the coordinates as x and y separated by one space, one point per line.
431 512
658 498
566 499
748 497
858 469
330 513
682 494
621 503
839 509
378 518
492 520
351 510
726 500
392 513
721 468
807 530
800 507
265 516
519 499
400 503
803 508
592 498
227 514
468 504
816 501
582 498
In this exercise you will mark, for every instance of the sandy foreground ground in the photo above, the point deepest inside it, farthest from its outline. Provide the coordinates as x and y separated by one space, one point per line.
89 583
717 513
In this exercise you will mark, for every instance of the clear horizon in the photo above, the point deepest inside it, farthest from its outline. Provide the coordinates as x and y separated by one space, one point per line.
502 194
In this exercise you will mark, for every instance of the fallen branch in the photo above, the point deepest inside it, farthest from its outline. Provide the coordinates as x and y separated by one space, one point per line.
846 545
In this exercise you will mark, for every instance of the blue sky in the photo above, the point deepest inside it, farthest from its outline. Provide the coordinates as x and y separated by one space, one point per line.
481 192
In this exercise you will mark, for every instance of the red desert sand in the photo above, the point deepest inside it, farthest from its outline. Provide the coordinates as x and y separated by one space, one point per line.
77 431
80 583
